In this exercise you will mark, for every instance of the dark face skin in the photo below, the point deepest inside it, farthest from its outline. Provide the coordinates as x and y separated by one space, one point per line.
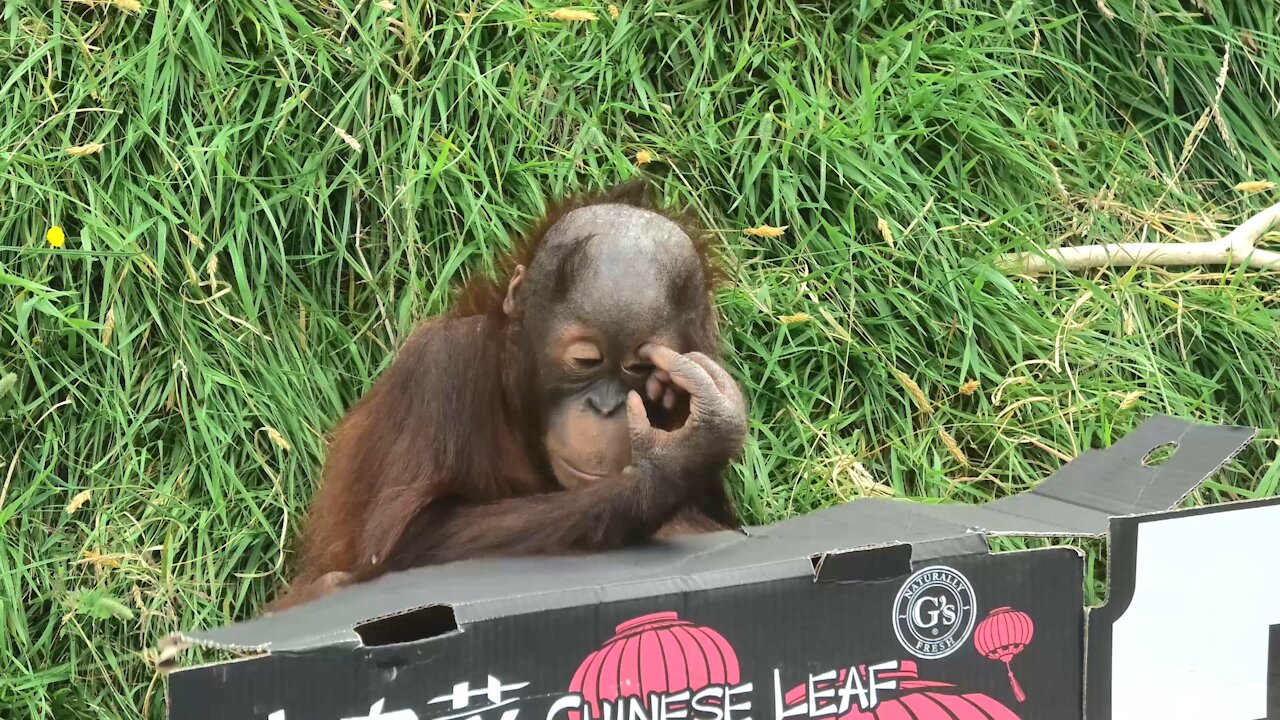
605 284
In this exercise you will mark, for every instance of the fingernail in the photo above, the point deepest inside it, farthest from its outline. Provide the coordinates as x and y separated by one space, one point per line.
669 399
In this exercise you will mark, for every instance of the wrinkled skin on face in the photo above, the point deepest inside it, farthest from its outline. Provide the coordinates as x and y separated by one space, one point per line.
610 281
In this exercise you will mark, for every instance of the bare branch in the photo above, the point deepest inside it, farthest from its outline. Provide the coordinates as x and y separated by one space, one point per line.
1236 246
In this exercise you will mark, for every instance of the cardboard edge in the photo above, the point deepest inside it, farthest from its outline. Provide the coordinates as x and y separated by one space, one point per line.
741 532
177 642
1057 548
181 640
217 663
971 543
1245 441
1273 674
740 571
346 637
481 617
1247 435
1031 534
173 644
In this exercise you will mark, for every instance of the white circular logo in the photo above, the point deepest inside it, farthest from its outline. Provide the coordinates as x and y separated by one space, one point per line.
934 612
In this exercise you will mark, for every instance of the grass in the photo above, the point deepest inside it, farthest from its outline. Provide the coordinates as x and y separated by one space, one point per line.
284 186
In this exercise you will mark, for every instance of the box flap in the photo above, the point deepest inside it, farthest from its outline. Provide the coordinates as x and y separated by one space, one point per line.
1078 500
1081 498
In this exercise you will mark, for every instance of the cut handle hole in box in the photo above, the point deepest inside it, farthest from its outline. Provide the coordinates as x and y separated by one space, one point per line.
1160 454
421 624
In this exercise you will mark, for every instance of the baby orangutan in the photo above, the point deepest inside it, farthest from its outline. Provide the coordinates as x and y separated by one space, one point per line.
575 404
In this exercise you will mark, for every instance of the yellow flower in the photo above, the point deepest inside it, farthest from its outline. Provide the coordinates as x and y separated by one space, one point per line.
644 157
55 236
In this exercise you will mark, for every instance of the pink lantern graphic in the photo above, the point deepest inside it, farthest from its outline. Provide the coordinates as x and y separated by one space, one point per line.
656 653
914 699
1004 633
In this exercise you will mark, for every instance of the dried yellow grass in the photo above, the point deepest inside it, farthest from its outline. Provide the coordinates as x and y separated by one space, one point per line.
885 232
952 446
78 501
854 473
108 326
99 560
346 138
793 319
1255 186
765 231
84 150
1130 400
567 15
921 400
278 439
191 238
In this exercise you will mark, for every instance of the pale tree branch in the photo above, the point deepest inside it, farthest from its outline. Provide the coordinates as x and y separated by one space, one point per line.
1236 246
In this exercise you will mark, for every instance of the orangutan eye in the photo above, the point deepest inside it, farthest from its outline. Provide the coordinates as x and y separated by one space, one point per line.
638 367
583 356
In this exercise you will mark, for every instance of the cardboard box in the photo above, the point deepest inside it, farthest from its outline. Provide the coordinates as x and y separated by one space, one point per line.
873 609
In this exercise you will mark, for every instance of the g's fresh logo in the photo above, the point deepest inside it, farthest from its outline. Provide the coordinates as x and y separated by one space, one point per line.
934 612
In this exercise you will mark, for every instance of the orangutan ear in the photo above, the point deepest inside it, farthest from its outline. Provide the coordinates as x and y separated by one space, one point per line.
513 304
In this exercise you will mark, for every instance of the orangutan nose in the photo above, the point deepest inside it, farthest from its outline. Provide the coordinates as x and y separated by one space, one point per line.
606 402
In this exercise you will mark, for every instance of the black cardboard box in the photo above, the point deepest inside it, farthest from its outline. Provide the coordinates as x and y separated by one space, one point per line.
874 609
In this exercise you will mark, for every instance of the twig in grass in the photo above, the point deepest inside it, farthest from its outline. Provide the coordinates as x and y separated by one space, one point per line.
1238 245
8 476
